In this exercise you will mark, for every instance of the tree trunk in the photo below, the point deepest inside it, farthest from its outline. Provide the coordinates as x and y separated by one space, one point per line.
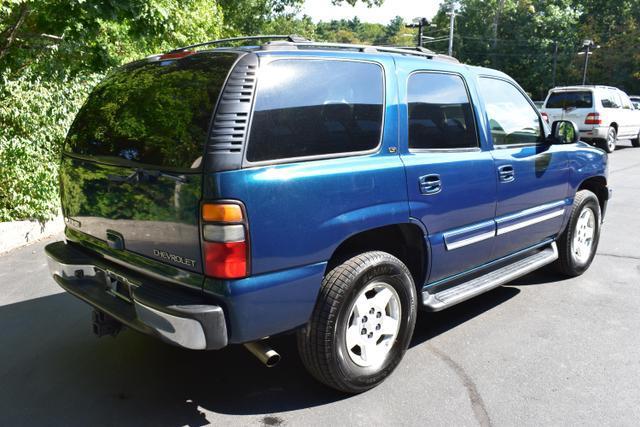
494 31
9 33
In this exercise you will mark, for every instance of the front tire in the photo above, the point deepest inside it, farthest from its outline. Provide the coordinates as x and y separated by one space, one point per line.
636 142
362 323
609 144
578 243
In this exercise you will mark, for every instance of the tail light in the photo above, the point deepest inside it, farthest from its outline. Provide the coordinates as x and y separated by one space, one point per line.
593 119
545 116
224 233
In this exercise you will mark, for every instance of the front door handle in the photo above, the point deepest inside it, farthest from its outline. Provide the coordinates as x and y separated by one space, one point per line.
506 173
430 184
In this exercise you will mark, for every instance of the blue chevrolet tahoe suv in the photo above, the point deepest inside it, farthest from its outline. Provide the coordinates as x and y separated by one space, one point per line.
224 195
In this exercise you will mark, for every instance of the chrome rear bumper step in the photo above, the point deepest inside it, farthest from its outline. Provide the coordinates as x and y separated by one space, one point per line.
464 291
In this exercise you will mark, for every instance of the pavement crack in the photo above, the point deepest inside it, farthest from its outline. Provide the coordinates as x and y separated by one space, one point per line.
477 404
620 256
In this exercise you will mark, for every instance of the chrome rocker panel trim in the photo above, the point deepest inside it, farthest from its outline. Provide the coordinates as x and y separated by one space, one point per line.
502 225
464 291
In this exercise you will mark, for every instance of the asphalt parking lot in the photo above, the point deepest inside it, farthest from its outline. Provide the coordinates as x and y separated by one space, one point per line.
540 351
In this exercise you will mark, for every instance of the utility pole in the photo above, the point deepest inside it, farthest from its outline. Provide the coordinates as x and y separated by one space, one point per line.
452 17
422 22
587 45
555 63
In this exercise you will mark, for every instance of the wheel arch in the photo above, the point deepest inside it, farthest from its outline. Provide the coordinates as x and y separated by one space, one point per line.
598 186
405 241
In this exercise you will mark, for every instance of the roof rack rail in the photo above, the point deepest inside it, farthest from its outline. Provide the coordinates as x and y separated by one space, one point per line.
293 38
409 50
294 41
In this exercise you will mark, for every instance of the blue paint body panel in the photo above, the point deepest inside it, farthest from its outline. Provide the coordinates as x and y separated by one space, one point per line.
299 212
267 304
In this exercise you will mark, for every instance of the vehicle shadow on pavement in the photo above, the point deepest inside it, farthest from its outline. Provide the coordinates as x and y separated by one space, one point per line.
545 275
53 368
430 325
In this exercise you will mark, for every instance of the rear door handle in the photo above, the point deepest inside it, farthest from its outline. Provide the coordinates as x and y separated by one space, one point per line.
430 184
506 173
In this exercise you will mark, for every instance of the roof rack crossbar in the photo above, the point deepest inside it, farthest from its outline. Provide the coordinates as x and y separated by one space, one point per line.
293 38
346 46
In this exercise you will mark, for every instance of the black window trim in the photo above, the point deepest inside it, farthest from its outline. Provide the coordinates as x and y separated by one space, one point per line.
475 149
541 143
249 164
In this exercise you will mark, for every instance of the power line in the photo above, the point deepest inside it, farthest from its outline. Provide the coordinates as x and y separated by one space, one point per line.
439 39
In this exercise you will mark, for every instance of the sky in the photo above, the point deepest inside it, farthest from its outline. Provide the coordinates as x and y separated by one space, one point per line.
323 10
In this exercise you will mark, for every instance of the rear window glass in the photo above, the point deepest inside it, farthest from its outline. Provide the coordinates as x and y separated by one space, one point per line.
316 107
581 99
152 112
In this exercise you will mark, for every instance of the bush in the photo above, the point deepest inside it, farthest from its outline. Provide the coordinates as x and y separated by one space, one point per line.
35 115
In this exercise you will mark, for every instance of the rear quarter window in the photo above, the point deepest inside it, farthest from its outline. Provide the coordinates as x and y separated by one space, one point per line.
307 108
565 100
610 99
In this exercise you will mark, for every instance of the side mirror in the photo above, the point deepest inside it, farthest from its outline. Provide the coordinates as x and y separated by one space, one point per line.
564 132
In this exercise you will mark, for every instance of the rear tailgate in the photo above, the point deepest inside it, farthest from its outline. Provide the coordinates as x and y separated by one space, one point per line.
573 105
131 172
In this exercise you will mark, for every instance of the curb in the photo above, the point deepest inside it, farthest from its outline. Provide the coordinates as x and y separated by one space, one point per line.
15 234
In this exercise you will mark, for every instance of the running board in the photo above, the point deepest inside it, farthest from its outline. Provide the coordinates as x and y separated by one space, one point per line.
464 291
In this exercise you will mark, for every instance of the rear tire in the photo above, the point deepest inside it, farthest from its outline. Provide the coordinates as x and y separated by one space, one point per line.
578 243
609 144
352 342
636 142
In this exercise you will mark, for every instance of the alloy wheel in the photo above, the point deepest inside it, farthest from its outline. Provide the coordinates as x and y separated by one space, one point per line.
373 324
583 236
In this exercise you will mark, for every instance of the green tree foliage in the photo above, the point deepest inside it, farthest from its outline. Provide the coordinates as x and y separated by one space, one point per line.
52 52
355 31
80 35
35 114
519 38
249 17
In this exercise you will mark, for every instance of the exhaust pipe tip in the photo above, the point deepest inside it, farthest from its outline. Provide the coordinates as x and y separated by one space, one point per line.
268 356
273 359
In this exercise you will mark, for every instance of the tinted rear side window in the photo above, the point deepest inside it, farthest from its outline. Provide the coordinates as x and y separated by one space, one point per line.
152 112
582 99
440 113
316 107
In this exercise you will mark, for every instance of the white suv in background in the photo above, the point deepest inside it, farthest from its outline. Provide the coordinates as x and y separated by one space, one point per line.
603 114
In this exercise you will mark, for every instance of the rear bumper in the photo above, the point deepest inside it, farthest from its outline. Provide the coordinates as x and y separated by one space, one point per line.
595 133
186 319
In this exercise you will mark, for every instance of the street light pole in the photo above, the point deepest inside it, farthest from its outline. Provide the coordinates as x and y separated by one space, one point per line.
452 16
422 22
587 45
555 63
586 64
